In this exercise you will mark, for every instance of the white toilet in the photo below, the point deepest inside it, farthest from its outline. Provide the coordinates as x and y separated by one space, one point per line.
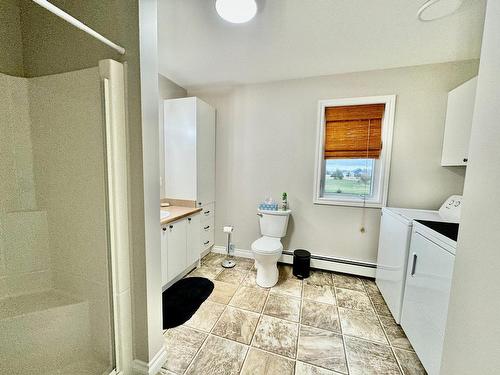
267 249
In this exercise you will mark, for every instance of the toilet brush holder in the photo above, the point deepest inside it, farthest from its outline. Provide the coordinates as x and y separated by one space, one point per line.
228 263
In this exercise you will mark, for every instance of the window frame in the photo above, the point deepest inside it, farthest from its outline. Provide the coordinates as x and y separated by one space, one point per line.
382 165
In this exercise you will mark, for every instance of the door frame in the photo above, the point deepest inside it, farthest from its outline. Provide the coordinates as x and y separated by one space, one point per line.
112 77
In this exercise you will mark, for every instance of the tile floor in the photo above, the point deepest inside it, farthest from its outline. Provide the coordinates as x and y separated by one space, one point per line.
327 324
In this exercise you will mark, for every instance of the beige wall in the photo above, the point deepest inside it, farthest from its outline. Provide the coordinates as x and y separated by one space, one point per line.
11 55
472 338
24 250
266 140
168 90
17 187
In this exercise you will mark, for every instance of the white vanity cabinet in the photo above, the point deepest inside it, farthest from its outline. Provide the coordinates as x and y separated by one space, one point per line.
189 140
458 124
180 247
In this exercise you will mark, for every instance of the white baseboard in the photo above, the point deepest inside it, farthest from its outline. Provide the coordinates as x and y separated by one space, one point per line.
325 263
237 252
153 367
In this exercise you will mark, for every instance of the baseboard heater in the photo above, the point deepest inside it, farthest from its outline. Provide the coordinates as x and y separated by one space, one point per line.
337 260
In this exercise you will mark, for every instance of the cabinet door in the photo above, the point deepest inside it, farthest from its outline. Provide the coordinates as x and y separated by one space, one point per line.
425 303
164 254
205 158
177 258
193 239
180 148
458 124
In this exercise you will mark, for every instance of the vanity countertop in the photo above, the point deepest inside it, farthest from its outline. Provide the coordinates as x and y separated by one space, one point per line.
178 212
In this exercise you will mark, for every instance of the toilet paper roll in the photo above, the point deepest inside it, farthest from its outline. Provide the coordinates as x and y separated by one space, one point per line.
228 229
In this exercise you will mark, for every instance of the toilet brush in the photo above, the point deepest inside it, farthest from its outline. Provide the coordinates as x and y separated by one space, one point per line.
228 263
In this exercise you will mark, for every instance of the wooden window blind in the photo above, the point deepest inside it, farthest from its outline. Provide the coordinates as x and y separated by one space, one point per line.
353 131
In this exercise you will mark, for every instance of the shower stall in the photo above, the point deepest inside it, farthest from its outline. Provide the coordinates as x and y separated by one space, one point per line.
63 227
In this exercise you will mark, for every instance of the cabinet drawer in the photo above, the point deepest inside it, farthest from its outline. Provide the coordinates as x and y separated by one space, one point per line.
208 211
207 239
207 224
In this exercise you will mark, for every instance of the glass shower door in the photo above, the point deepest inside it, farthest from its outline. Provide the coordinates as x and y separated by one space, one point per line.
55 289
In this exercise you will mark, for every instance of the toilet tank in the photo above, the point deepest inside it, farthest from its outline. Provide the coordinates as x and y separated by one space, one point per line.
273 223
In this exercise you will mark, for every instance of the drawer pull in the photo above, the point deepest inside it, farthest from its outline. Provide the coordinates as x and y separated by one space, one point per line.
189 219
208 226
164 229
206 212
206 243
170 226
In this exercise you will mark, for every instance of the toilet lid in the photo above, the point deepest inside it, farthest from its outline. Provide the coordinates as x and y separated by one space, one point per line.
267 245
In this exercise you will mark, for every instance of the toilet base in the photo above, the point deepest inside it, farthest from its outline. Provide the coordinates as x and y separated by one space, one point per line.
267 274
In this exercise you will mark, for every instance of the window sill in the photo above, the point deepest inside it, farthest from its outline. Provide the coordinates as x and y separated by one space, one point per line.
347 203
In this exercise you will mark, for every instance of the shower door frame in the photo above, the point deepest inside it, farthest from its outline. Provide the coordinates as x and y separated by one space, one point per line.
112 76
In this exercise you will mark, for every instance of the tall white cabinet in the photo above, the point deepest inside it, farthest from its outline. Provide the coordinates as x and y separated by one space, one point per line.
189 132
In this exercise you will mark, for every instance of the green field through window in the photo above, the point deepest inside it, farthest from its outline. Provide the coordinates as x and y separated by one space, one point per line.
349 177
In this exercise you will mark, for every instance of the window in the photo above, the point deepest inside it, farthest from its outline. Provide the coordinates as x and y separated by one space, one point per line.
353 151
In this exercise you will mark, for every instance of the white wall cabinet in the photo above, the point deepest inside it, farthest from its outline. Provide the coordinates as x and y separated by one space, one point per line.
180 247
458 124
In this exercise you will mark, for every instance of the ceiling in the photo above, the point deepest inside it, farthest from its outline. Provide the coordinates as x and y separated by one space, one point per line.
303 38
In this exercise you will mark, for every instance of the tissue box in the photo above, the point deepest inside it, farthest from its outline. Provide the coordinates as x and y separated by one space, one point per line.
269 206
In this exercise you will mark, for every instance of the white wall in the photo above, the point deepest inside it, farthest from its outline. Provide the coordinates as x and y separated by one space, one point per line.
167 90
266 144
154 350
472 339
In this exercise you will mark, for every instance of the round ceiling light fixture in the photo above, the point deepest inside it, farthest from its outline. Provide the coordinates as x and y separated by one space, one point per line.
436 9
236 11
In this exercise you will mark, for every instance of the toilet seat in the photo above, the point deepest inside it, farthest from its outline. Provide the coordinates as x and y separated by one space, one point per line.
267 245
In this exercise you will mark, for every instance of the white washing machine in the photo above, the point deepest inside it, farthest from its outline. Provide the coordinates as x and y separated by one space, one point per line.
394 244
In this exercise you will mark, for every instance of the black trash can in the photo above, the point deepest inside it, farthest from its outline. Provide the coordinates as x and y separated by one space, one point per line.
301 263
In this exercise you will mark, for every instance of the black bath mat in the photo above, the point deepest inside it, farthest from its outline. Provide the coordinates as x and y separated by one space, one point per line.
183 298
